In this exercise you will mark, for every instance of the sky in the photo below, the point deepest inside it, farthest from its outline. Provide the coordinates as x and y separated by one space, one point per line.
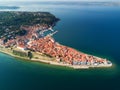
55 0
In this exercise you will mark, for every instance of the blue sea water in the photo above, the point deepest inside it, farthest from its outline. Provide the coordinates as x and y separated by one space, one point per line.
93 29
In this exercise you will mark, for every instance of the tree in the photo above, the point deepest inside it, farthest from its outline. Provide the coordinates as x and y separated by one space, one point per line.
30 55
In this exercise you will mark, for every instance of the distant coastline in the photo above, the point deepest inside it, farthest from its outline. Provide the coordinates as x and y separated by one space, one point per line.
9 7
76 3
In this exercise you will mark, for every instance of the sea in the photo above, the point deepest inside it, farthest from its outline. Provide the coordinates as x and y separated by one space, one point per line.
93 28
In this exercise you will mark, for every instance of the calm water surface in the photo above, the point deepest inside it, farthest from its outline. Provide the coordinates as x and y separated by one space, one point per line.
90 29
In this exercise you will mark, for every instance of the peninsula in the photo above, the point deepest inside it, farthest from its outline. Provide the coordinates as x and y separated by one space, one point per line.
28 35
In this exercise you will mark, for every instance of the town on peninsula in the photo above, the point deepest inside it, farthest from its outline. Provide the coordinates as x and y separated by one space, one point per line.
28 35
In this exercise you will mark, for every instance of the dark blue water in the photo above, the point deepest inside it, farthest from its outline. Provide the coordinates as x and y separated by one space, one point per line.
91 29
94 30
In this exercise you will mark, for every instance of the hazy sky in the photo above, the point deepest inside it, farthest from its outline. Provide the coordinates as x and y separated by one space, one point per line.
55 0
